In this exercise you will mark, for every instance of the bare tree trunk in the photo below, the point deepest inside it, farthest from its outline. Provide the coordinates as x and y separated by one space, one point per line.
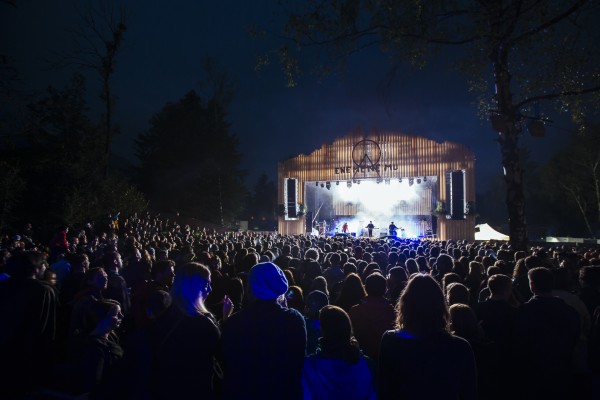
508 137
581 207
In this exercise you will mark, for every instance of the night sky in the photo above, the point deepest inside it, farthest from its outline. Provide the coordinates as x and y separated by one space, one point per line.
160 61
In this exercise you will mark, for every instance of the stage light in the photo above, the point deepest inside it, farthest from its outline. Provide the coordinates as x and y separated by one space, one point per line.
328 185
378 180
316 183
322 184
419 180
410 181
358 182
400 180
424 179
387 181
349 184
337 183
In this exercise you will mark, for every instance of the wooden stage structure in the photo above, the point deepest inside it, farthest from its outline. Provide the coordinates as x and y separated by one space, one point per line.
383 157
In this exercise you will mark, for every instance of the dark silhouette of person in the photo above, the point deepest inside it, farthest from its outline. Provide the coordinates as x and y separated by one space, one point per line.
393 229
370 228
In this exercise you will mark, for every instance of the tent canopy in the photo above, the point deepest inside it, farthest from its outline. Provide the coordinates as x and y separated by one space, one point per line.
486 232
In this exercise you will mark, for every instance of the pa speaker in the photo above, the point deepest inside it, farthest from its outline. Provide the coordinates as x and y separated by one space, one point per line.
291 190
455 194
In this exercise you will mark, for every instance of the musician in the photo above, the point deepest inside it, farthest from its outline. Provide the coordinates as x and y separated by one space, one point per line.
370 228
393 229
345 227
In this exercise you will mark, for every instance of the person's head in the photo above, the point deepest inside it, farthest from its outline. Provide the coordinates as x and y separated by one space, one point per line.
50 277
448 279
352 288
500 287
319 283
25 264
541 280
443 264
163 272
112 261
267 281
457 293
157 303
336 334
315 301
422 307
464 323
102 317
96 278
190 288
375 285
295 298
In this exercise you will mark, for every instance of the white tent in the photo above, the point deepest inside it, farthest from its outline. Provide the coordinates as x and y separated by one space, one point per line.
486 232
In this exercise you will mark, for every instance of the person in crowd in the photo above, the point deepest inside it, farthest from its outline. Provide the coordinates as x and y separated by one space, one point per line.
315 301
97 351
373 316
59 243
264 344
352 292
338 369
334 274
546 333
396 282
185 339
457 293
116 287
421 349
28 320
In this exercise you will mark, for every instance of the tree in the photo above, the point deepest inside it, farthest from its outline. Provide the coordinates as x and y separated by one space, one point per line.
262 205
190 162
52 171
533 53
97 43
573 177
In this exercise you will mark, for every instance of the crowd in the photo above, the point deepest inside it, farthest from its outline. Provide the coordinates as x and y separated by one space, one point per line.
151 309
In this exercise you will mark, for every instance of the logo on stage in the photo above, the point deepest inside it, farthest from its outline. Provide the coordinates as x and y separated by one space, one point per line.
366 156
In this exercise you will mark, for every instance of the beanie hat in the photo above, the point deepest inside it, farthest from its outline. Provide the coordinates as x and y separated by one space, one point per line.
267 281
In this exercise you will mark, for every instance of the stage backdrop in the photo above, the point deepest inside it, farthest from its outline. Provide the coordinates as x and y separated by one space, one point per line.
380 156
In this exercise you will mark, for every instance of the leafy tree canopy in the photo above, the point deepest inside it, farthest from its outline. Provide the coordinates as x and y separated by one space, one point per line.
190 163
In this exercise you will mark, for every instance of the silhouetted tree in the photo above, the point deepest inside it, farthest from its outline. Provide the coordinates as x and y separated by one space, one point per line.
516 53
573 178
262 205
190 163
55 173
97 43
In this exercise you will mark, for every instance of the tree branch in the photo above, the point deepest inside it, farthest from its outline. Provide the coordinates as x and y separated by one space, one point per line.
550 96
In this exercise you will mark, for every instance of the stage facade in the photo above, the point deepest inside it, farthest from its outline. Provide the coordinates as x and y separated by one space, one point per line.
426 188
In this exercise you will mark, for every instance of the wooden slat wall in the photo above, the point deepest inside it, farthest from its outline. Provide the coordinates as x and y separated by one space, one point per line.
414 156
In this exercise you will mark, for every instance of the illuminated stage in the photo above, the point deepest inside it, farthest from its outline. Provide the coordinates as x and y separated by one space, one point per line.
407 202
423 186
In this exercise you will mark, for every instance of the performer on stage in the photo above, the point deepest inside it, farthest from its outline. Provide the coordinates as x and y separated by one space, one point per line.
393 229
345 227
370 227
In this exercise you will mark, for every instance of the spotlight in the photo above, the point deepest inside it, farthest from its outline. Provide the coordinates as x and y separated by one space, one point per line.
378 180
410 181
400 180
358 182
337 183
322 184
328 185
424 179
316 183
349 184
387 181
419 180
